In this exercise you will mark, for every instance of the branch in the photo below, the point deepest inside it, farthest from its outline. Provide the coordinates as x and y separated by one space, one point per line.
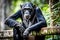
48 31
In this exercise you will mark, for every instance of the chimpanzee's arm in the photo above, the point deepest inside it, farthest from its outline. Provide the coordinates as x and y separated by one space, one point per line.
41 22
11 21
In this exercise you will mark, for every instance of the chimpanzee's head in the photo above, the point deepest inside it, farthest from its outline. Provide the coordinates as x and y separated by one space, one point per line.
27 9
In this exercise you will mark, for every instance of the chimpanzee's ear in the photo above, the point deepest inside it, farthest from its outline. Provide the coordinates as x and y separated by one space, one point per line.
21 6
34 6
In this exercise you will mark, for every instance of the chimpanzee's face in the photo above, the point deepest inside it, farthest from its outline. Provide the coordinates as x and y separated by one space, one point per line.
27 10
27 13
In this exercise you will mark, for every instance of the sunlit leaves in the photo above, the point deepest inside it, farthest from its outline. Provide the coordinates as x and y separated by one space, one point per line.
57 13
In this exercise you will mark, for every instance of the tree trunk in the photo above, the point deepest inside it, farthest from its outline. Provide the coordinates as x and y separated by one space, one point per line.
2 14
51 3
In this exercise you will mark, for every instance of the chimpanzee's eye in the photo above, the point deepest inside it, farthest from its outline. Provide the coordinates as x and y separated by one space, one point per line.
30 10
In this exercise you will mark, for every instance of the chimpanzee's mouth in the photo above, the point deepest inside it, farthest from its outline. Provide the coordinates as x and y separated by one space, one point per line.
26 16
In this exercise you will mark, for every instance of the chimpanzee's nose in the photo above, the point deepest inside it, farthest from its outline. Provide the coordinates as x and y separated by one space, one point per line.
27 14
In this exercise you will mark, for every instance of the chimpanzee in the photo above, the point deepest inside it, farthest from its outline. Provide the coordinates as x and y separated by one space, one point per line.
32 20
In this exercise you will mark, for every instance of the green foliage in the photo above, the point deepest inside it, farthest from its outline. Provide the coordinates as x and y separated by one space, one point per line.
56 12
16 5
46 13
56 5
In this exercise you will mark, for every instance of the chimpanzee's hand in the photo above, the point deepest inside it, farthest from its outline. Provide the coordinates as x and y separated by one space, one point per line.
26 33
20 27
17 25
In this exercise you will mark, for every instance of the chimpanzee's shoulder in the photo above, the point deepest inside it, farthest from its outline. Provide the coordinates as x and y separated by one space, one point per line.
19 12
